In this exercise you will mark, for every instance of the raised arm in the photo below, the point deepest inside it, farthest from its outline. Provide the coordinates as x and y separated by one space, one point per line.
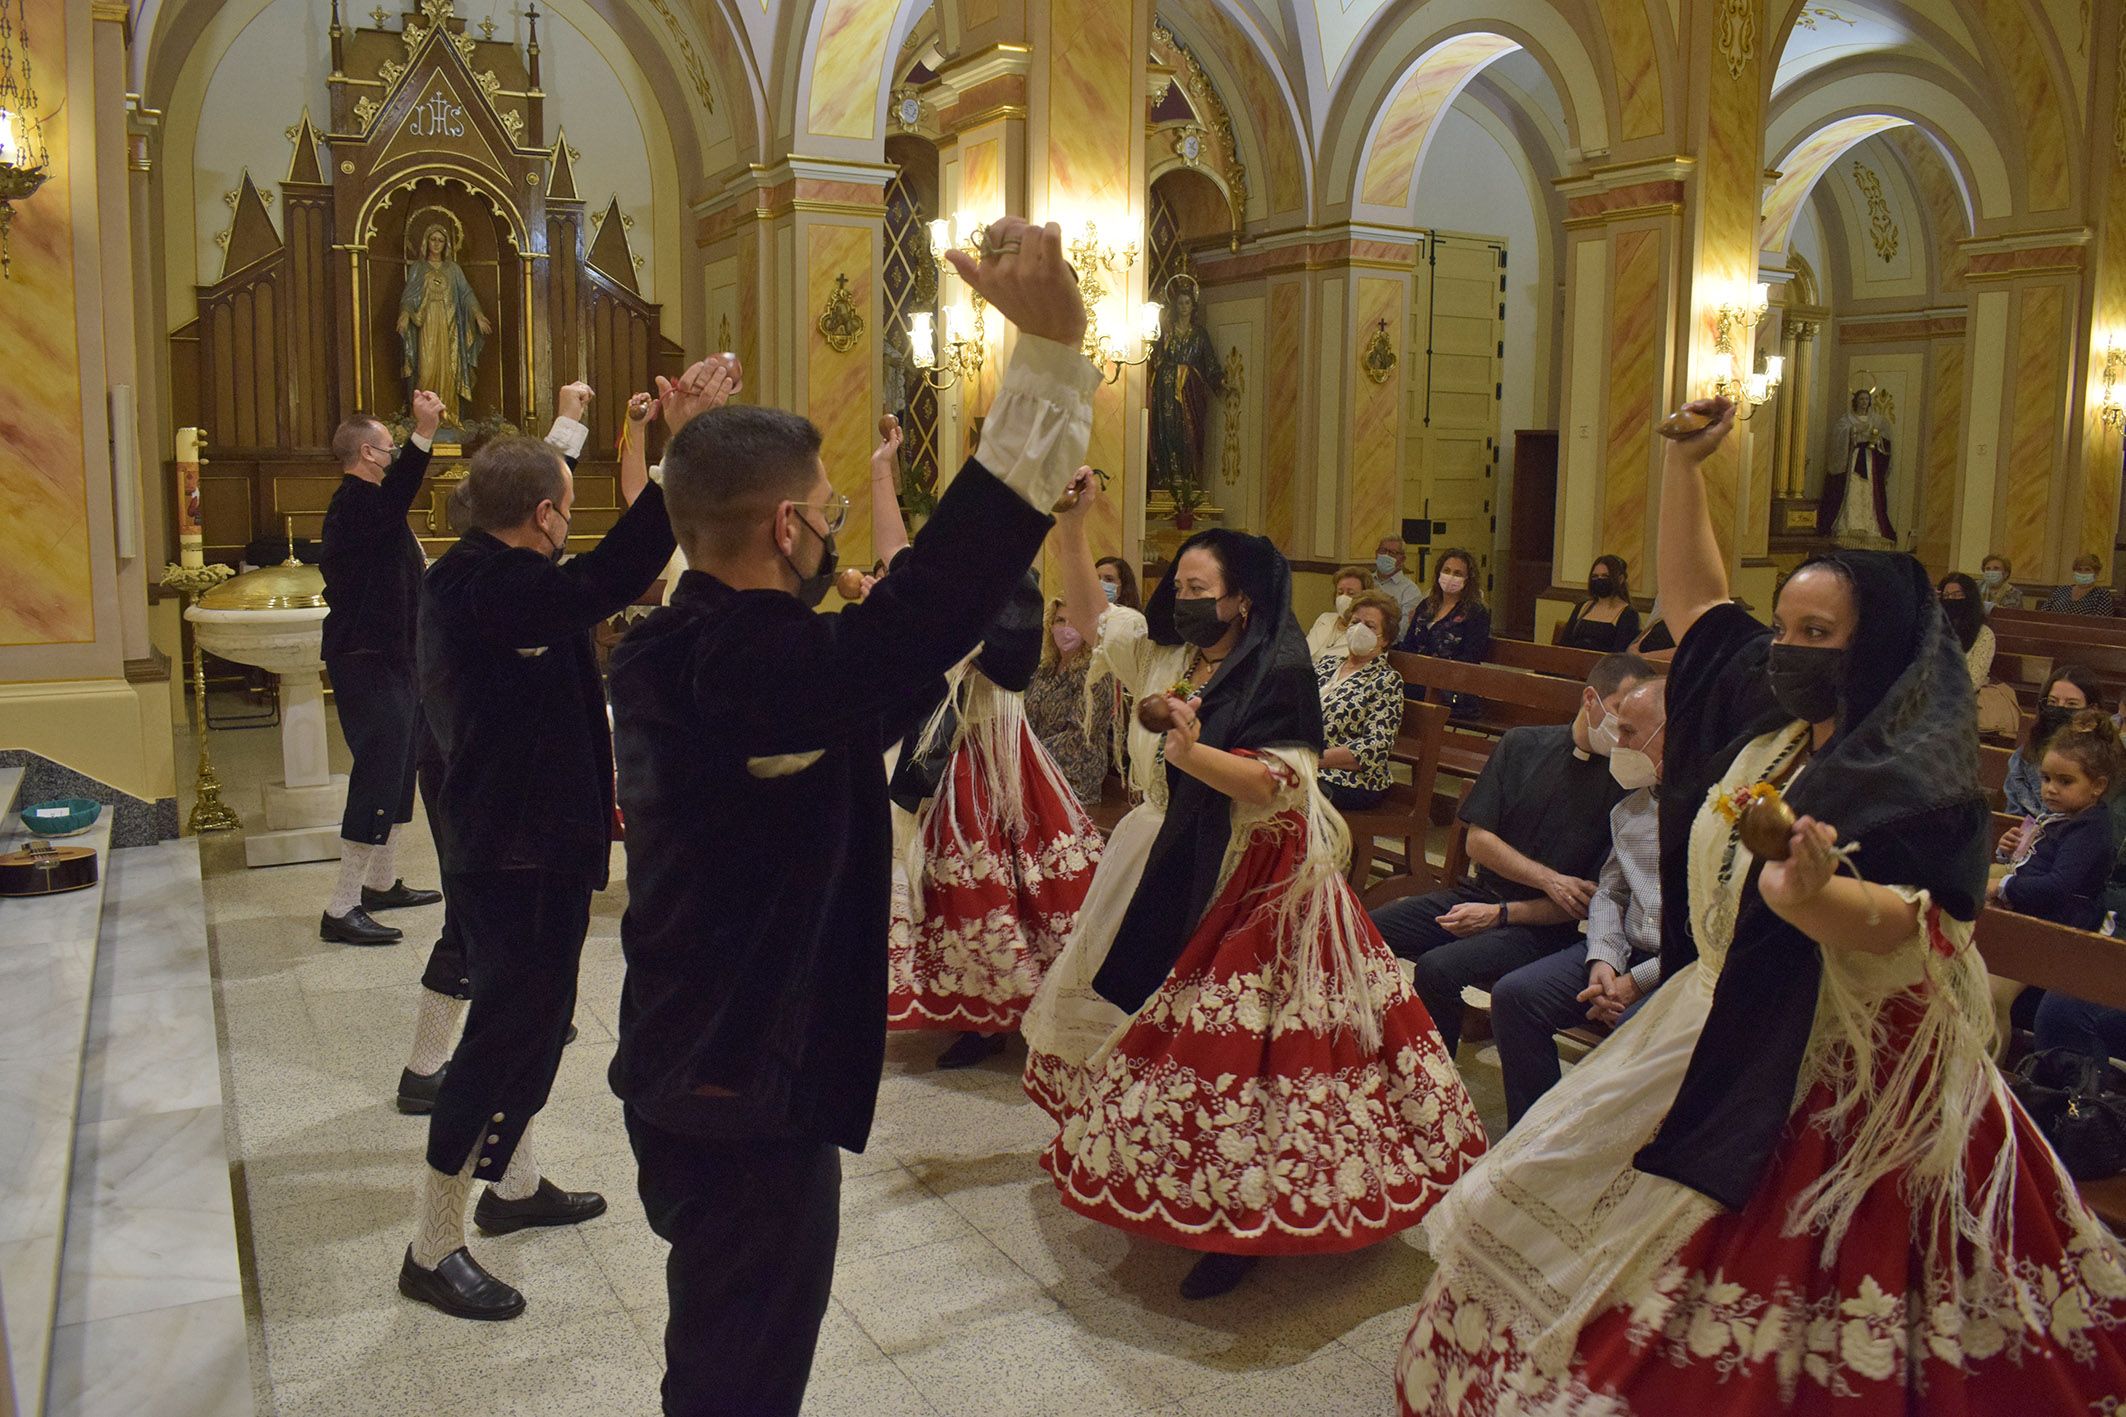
889 530
635 456
1083 600
403 479
1692 576
531 601
571 430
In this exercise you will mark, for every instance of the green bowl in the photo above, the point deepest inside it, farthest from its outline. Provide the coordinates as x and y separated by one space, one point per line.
62 816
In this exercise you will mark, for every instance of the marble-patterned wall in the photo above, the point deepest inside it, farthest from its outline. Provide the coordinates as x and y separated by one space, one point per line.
2037 392
1636 335
1942 452
1377 413
839 385
1399 141
1283 472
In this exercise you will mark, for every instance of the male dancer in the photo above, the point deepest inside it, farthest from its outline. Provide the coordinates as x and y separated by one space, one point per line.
372 567
511 687
446 984
750 734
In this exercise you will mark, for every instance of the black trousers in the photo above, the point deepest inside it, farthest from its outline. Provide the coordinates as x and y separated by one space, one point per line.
447 972
380 714
523 933
753 1223
1353 799
1446 962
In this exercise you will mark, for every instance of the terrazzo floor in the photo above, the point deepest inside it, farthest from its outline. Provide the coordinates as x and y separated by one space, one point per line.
962 1286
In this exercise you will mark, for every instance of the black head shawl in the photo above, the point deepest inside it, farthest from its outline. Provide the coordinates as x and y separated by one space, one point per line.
1900 776
1265 695
1010 652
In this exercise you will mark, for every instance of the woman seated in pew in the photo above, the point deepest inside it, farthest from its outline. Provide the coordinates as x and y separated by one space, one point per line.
1967 616
2083 596
2070 688
1605 622
1361 706
1997 592
1328 635
1451 623
1074 723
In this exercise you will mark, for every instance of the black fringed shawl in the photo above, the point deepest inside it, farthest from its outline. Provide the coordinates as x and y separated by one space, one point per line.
1265 695
1900 776
1010 652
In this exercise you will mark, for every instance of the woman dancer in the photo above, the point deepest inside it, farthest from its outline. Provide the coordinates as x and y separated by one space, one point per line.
1794 1181
1001 853
1235 1061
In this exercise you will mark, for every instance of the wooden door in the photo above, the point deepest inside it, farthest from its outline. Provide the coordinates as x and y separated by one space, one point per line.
1451 453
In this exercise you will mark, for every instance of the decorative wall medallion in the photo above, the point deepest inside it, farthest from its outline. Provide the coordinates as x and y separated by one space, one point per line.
1379 359
1188 144
1882 227
1736 35
907 110
840 323
1216 149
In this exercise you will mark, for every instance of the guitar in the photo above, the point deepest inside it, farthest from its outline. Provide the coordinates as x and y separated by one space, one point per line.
41 868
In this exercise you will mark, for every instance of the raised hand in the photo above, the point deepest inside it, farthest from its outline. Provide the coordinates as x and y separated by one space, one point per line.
706 385
886 457
427 413
573 400
1079 498
1808 868
1022 272
1698 446
641 408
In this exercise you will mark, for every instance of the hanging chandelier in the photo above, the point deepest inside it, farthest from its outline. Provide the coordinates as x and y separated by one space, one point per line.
24 159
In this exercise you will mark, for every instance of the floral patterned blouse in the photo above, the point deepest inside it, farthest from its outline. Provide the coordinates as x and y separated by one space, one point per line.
1056 710
1362 712
1464 634
2062 602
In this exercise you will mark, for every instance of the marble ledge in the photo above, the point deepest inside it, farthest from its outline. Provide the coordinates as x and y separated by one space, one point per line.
189 1360
67 921
160 935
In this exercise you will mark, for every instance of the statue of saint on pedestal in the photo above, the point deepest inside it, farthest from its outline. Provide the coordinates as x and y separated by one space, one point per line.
1856 492
441 327
1185 375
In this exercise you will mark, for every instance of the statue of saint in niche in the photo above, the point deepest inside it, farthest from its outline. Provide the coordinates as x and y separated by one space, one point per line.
1856 493
441 327
1185 375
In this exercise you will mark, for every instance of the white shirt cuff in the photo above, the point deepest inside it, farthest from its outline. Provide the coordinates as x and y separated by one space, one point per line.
1647 973
569 436
1035 435
423 442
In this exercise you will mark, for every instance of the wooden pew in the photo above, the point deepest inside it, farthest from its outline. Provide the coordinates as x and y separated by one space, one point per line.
1511 699
1405 814
2075 962
1993 772
2059 629
1558 661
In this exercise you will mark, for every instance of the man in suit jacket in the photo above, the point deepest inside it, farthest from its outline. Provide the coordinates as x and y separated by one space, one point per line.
750 733
511 686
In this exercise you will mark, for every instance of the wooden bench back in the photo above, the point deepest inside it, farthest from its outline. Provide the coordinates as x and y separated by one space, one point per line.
1993 766
1405 814
2048 956
2059 629
1558 661
1546 698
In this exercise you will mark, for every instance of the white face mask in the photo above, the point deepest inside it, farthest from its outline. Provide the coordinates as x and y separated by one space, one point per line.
1343 604
1632 768
1602 735
1451 584
1362 640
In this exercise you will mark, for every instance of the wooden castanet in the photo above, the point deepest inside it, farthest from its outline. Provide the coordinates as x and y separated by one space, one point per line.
1684 422
44 869
1768 827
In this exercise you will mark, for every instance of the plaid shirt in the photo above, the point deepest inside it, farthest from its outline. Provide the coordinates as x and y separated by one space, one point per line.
1624 919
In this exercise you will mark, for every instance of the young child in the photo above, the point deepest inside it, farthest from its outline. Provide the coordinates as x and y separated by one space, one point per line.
2070 857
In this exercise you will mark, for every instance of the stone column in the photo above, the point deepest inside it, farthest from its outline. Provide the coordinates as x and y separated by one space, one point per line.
1783 429
1801 381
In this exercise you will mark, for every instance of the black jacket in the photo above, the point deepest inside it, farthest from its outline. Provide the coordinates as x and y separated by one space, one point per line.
372 562
510 685
750 733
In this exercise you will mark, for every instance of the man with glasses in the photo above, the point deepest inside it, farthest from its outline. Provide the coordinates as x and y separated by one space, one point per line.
510 684
751 734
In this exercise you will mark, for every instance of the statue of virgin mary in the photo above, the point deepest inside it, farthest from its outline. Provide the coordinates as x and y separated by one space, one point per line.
1856 492
441 327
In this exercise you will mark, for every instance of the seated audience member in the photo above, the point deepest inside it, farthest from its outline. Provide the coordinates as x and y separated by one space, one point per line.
2070 855
1075 727
1606 979
1388 575
2071 687
1361 706
1605 622
1451 623
1538 823
1118 580
2082 596
1655 638
1996 591
1327 634
1967 616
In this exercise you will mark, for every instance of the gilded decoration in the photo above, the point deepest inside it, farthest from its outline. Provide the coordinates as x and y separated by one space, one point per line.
840 323
2118 122
1736 35
1234 385
907 109
365 111
1379 359
1215 148
697 74
1882 227
1811 14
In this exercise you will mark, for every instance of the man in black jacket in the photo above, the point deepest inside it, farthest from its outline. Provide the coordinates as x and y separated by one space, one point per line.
372 566
750 733
511 686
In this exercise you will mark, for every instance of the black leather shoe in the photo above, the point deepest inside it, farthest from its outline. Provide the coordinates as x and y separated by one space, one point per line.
569 1037
398 897
356 928
1215 1275
417 1094
971 1048
459 1287
549 1205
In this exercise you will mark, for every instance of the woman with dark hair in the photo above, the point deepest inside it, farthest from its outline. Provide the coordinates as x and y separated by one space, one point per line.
1452 623
1967 616
2069 689
1234 1060
1605 622
1118 582
1794 1180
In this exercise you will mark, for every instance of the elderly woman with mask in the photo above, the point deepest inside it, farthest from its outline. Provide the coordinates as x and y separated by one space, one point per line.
1361 706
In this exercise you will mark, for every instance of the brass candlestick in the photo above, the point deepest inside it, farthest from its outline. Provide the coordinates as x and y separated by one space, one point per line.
209 812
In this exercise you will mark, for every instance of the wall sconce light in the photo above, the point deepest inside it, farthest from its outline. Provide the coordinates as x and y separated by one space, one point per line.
25 161
963 345
1102 267
1749 389
2110 410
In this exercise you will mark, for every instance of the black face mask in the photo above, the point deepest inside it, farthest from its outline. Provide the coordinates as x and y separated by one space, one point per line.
1806 681
1197 621
2051 718
1600 587
812 589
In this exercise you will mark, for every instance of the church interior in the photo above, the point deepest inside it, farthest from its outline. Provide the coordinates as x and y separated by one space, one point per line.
1415 280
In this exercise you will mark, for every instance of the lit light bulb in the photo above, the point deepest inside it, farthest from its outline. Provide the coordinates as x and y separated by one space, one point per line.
940 236
1775 368
1760 298
922 340
1148 321
8 153
1756 388
1724 367
964 227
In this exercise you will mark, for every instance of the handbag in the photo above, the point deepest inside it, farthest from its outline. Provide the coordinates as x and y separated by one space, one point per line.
1999 716
2078 1103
